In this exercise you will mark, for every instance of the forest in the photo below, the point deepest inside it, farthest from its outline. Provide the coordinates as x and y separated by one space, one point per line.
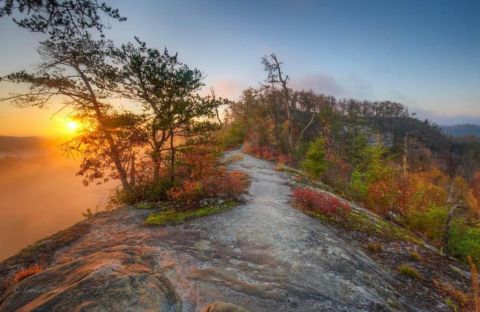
374 153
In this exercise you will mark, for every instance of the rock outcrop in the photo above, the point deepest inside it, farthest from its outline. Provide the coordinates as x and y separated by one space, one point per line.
121 278
261 256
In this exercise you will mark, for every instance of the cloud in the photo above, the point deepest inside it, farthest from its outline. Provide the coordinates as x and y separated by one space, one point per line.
358 88
445 119
318 82
226 88
349 86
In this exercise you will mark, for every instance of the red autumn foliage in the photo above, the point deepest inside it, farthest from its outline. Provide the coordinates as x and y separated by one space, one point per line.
226 185
220 185
24 273
202 178
266 152
315 202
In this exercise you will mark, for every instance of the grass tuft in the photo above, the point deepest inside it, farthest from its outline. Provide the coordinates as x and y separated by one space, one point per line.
408 270
145 205
414 255
374 247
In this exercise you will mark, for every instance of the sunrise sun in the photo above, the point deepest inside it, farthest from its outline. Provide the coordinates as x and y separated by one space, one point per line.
72 126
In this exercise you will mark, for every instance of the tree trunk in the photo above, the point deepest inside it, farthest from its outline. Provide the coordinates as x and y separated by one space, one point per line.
172 157
114 153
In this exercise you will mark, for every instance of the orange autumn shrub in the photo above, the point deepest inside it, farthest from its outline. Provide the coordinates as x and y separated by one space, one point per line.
24 273
226 185
266 152
220 185
202 179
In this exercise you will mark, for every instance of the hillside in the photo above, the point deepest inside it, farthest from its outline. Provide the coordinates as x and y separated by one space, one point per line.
462 130
263 255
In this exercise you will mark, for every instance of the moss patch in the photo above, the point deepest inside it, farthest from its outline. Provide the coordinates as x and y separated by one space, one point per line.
145 205
360 221
171 217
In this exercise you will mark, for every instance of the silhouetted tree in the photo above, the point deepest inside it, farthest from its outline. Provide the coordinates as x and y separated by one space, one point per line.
77 70
59 18
275 75
168 92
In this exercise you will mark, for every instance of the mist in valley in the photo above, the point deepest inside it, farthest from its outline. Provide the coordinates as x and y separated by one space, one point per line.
40 194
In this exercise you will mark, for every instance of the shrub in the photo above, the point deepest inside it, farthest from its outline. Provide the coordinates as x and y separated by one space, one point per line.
221 184
315 162
414 255
227 185
475 288
144 192
279 167
233 134
429 222
266 152
451 293
374 247
408 270
464 241
322 203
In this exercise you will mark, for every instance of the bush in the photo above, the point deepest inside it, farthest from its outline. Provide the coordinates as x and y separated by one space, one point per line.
266 152
321 203
454 296
144 192
408 270
464 241
233 134
221 184
429 222
315 163
227 185
414 255
374 247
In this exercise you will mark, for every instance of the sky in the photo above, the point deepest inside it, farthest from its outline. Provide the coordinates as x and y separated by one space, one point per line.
424 54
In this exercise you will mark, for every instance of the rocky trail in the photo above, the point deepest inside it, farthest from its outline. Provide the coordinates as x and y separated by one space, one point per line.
262 255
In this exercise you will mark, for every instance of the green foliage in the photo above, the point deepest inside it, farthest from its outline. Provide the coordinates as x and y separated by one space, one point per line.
60 19
145 205
376 226
171 217
464 241
358 186
146 192
315 162
356 142
373 162
414 255
233 134
408 270
430 222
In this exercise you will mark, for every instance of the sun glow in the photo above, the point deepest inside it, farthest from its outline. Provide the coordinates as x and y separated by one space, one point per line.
72 126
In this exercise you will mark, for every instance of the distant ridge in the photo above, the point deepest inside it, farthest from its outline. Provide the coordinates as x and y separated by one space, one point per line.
462 130
12 143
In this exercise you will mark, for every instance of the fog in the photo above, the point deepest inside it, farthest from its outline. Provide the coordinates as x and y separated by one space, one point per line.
40 195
